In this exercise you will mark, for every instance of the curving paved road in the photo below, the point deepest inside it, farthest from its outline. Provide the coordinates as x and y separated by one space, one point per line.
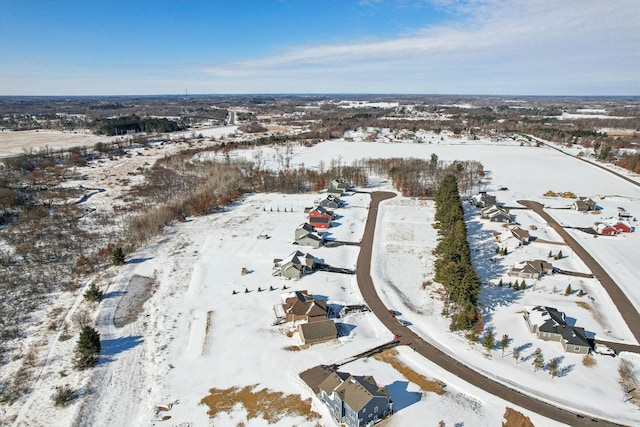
627 310
365 283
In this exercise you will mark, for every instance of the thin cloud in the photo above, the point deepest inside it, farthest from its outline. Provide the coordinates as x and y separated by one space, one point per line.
520 35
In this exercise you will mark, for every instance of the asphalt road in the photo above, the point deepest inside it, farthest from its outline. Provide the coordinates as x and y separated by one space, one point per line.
452 365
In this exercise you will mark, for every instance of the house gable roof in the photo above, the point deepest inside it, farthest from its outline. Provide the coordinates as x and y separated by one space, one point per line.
357 391
333 381
304 304
325 329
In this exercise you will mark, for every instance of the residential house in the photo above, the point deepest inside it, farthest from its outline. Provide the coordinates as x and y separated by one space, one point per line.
320 217
532 269
306 235
549 324
355 401
339 184
331 202
483 200
623 227
521 234
317 332
605 229
584 204
294 265
495 213
302 306
335 192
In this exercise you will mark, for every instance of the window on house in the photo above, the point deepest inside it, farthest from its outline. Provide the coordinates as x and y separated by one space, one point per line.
576 349
364 410
375 409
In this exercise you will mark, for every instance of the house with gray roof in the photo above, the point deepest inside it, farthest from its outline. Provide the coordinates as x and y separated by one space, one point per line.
549 324
532 269
317 332
306 235
294 265
495 213
331 202
584 204
483 200
355 401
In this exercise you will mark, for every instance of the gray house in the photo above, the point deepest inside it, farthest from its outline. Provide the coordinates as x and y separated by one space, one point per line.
584 204
330 202
495 213
549 324
305 235
483 200
355 401
532 269
294 265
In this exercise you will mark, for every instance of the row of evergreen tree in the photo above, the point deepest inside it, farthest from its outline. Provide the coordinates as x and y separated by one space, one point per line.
133 123
453 267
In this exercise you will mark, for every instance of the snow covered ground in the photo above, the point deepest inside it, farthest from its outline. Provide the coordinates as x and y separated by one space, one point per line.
195 334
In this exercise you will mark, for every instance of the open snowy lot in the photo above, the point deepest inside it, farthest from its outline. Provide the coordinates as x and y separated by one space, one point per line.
17 142
194 334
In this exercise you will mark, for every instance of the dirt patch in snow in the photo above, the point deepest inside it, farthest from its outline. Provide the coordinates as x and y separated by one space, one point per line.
425 384
139 290
514 418
269 405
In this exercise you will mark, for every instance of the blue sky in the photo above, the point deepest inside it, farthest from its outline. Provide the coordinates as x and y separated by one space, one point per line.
510 47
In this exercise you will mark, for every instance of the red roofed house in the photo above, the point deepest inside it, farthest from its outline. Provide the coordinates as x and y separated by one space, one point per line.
605 229
623 228
320 218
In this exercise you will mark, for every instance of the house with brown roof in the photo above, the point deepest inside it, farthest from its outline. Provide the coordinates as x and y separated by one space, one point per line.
317 332
302 306
532 269
521 234
355 401
549 324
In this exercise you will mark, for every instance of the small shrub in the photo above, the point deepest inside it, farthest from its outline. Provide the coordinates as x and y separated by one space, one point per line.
117 256
93 294
63 396
588 360
568 291
87 348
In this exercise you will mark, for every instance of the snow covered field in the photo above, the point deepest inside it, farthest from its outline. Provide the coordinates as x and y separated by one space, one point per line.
195 334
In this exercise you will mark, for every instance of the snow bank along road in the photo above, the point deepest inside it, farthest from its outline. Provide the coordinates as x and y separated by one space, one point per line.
405 335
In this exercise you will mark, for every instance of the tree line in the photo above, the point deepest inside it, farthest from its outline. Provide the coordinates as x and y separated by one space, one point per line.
127 124
453 267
